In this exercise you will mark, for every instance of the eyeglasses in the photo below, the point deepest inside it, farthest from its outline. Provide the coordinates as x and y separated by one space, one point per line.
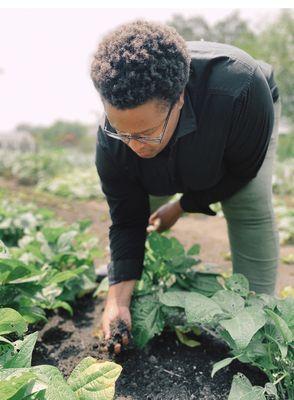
143 139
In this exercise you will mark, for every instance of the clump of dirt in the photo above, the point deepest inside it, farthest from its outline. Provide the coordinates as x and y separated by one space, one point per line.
120 338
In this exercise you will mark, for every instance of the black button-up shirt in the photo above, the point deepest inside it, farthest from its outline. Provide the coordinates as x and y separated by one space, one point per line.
218 146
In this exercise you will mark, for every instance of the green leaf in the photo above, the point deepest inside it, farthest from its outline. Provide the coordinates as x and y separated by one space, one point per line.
47 376
184 339
198 308
94 379
23 358
271 389
65 241
103 287
238 283
57 388
10 386
62 276
230 302
147 319
173 298
194 250
286 308
203 282
11 321
281 325
244 325
243 390
62 304
221 364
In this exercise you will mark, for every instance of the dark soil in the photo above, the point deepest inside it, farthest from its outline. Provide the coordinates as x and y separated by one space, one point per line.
164 370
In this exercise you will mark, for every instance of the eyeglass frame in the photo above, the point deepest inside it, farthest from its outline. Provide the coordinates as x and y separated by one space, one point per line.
129 137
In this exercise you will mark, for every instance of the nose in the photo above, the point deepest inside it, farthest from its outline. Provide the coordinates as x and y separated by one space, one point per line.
137 146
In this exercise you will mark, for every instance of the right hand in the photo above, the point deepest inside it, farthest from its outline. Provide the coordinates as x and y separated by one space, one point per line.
112 313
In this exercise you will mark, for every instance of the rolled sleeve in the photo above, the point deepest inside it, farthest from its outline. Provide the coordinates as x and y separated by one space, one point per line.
129 211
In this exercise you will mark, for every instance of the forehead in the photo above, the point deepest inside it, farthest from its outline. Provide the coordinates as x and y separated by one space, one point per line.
143 117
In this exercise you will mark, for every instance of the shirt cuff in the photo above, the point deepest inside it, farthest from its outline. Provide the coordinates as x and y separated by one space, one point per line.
124 270
188 204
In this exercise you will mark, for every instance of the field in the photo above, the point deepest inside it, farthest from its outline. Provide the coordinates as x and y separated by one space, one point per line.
54 228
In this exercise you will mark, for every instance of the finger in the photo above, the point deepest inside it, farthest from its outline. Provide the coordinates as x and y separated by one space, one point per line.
157 223
152 217
150 228
125 340
117 348
107 334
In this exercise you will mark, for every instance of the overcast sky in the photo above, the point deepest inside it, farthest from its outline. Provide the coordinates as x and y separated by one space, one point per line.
45 57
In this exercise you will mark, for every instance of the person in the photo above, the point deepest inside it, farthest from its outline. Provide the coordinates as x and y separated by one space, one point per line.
196 118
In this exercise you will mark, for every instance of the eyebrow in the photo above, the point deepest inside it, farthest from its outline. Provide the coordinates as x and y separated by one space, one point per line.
146 130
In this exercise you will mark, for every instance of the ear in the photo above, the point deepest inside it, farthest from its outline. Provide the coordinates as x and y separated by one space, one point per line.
181 100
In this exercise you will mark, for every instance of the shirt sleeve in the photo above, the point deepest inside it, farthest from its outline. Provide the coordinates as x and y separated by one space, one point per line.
129 211
246 145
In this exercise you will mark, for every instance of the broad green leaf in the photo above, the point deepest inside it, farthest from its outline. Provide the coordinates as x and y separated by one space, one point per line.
62 304
221 364
273 334
94 379
243 390
62 276
103 287
203 282
244 325
230 302
194 250
32 314
198 308
23 358
10 386
147 319
173 298
57 387
11 321
238 283
286 308
268 300
281 325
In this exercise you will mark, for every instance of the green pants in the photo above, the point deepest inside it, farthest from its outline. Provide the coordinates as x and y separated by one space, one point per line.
251 225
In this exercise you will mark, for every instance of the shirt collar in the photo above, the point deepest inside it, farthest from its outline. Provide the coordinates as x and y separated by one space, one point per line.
187 122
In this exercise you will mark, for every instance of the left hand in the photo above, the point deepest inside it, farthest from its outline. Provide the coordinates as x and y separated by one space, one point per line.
165 217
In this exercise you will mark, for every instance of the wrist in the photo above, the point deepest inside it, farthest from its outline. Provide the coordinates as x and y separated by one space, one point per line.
121 293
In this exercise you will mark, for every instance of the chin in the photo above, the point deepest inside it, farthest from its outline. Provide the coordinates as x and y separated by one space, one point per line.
146 155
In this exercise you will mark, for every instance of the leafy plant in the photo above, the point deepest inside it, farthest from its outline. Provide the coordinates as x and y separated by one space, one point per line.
258 328
90 380
49 269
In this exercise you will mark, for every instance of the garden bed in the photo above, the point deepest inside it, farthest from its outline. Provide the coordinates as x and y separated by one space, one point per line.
164 370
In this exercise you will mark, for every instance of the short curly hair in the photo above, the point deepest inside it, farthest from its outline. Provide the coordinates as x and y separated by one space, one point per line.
141 61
